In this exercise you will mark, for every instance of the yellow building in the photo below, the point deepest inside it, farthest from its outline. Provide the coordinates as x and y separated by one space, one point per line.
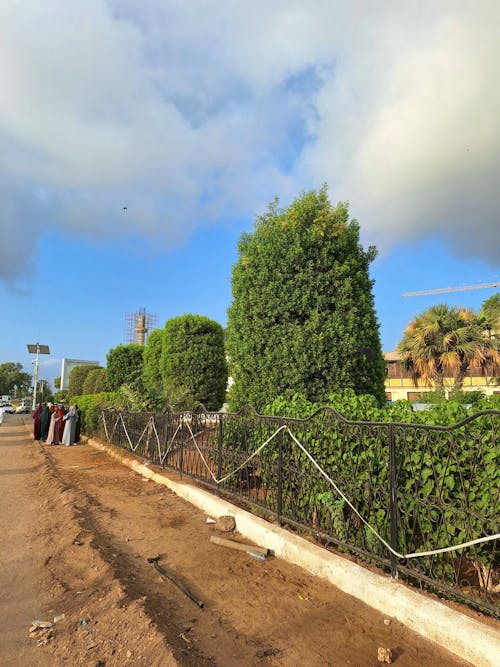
399 384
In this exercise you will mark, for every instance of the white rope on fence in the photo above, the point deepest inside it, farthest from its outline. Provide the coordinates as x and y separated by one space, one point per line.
170 446
416 554
233 472
133 448
105 426
163 456
126 433
155 431
142 434
150 422
114 428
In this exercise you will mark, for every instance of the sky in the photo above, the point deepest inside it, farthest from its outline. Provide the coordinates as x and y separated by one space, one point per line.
138 141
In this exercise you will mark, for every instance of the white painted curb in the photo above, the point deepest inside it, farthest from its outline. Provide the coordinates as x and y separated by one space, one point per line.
465 637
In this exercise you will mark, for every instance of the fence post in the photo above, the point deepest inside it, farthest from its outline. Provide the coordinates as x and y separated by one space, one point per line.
103 421
181 462
164 441
150 429
279 499
219 453
393 501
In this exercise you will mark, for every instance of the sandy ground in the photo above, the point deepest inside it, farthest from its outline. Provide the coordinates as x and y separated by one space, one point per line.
77 529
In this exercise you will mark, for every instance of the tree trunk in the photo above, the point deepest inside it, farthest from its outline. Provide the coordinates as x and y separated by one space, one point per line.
459 378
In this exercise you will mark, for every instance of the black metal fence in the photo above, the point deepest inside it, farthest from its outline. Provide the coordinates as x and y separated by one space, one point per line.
380 490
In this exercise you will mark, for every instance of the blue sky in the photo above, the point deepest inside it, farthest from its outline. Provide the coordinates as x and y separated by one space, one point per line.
195 115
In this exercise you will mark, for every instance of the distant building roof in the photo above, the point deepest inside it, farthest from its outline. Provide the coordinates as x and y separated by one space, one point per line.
393 355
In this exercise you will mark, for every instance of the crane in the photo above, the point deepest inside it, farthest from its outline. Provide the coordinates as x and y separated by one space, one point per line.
443 290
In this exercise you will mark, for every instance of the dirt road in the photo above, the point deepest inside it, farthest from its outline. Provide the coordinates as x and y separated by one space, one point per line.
77 528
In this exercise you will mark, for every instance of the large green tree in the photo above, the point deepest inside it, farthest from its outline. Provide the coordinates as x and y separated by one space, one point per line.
77 378
302 317
13 380
444 341
124 366
151 371
95 382
194 368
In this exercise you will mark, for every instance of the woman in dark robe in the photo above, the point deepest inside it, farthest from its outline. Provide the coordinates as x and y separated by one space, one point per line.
78 424
61 423
36 422
44 422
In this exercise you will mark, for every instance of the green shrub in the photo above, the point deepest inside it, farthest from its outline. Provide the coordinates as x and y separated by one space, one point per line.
95 382
90 407
151 371
77 379
194 367
124 366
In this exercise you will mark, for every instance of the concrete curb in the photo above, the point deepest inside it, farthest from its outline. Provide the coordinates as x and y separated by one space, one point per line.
465 637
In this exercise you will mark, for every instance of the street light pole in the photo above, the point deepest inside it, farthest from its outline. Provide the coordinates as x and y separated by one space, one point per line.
36 348
35 379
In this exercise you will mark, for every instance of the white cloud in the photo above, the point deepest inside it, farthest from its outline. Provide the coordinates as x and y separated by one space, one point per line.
188 112
417 150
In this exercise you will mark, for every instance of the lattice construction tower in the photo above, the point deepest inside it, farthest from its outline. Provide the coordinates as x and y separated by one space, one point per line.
138 325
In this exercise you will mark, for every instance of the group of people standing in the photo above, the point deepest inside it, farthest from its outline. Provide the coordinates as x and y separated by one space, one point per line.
53 424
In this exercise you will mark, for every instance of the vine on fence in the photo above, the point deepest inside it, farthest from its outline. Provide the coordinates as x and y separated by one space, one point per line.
447 479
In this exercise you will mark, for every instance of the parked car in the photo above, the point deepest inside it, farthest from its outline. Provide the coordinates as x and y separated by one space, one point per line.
7 407
23 409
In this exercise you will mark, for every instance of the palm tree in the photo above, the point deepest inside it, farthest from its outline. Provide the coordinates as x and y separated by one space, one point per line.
443 342
489 315
489 319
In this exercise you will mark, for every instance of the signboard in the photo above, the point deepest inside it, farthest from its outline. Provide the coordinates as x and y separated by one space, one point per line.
67 366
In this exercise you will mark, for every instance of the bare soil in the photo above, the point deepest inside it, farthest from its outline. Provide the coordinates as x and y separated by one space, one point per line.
77 529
